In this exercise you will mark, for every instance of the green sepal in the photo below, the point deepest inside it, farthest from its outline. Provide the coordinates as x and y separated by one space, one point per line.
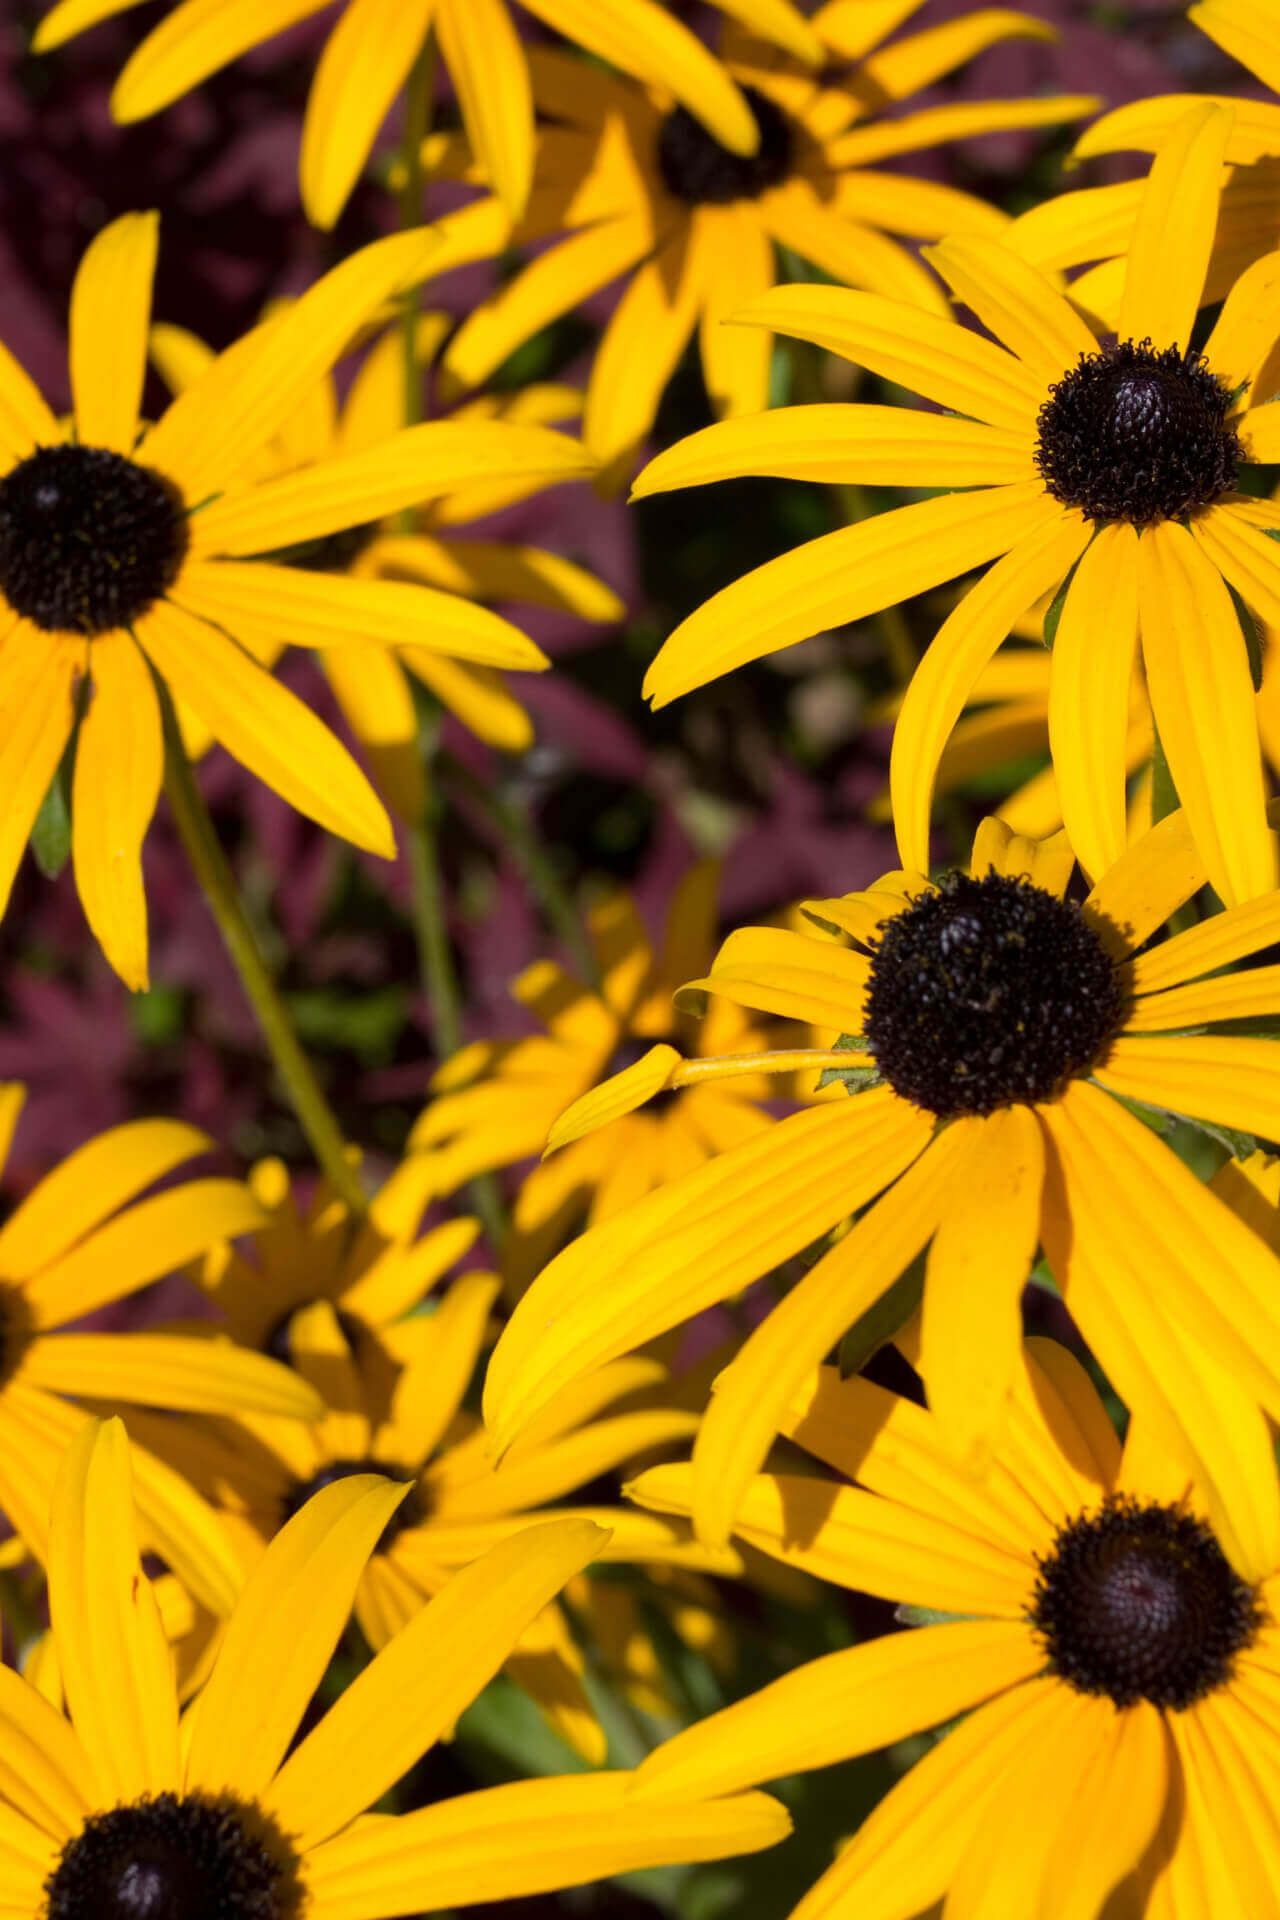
853 1079
51 834
1252 638
883 1321
1053 613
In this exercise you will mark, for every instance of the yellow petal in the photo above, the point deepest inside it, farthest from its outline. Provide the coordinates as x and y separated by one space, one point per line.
375 695
842 1705
119 767
1015 303
1205 948
1235 996
735 266
38 673
281 1635
210 430
110 309
896 71
1244 553
1093 654
790 974
979 1260
881 446
672 1254
1173 237
419 1684
265 726
481 700
364 64
1203 701
44 1772
168 1370
90 1184
1244 31
755 1390
554 1470
497 570
25 420
486 63
961 120
622 1094
844 576
936 358
641 347
828 233
116 1665
1150 881
530 1837
193 42
428 1393
1046 541
1245 330
1214 1076
416 465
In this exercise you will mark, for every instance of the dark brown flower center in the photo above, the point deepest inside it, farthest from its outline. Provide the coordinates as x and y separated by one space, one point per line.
1140 1603
176 1857
88 539
1132 434
699 171
986 993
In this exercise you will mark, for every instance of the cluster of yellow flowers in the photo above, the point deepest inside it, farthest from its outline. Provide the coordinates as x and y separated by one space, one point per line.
1059 1063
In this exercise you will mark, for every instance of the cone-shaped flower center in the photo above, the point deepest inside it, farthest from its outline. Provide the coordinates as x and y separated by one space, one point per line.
1132 434
1140 1603
176 1857
989 992
88 539
411 1512
698 170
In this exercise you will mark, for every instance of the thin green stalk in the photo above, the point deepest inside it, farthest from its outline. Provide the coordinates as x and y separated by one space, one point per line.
213 871
536 866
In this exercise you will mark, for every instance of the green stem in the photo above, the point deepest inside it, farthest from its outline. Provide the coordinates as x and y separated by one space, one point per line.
218 883
535 864
435 959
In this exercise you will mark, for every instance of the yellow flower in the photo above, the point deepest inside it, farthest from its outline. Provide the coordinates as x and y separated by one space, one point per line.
117 1811
374 44
467 644
79 1240
637 188
988 1023
1109 468
395 1409
121 558
1118 1676
497 1102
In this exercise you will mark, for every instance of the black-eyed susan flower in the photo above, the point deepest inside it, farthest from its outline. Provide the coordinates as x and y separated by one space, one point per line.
497 1102
989 1021
374 44
461 662
632 185
1110 466
86 1236
126 552
114 1810
1116 1673
396 1409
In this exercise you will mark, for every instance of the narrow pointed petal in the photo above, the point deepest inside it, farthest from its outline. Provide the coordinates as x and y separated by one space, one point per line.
1047 540
736 265
755 1390
194 41
44 1772
70 17
623 1093
25 420
1203 701
1245 554
171 1370
115 1661
641 347
281 1635
1245 32
533 1836
899 70
110 309
1016 303
1151 879
1173 237
1246 329
673 1253
1222 1077
486 63
1093 655
1206 948
842 1705
119 768
844 576
265 726
38 675
365 62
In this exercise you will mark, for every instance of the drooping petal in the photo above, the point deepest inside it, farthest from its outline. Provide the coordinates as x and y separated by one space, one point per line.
38 674
844 576
265 726
419 1684
1093 655
116 1666
1048 540
119 767
1173 237
365 62
842 1705
693 1242
530 1837
110 308
281 1635
1203 700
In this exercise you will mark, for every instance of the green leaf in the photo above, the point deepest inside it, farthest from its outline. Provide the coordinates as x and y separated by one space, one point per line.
1252 638
853 1079
1238 1144
1054 612
51 834
882 1321
909 1616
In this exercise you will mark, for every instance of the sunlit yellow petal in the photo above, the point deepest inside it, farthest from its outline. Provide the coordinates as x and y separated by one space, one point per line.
1169 250
119 767
365 61
193 42
1093 655
1015 303
110 308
